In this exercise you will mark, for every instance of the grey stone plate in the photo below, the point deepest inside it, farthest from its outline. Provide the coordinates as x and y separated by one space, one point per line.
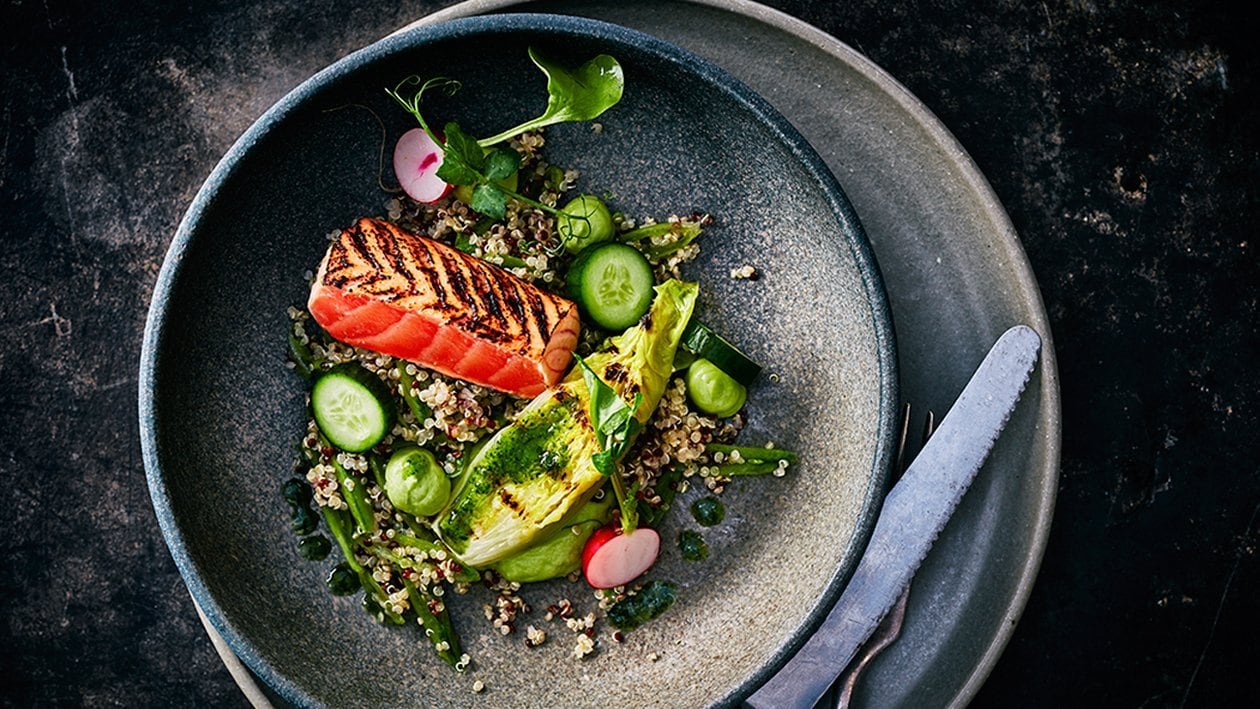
956 276
219 412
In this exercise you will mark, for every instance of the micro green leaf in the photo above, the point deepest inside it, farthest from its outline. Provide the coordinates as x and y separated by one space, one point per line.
604 463
459 165
578 95
501 162
489 200
615 426
463 146
454 171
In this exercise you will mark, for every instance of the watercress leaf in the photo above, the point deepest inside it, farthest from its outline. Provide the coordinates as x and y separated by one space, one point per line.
453 171
489 200
501 163
580 94
464 147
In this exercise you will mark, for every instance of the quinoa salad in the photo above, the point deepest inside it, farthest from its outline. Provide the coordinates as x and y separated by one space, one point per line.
405 460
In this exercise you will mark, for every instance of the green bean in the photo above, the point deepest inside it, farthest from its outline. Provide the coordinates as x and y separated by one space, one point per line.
417 542
687 230
437 626
337 526
464 575
406 383
666 489
508 261
753 453
737 469
354 494
378 470
304 362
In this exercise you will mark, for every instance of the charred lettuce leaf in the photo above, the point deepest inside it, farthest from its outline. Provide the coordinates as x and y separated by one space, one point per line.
531 474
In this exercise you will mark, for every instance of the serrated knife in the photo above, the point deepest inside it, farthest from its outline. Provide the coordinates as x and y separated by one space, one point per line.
914 513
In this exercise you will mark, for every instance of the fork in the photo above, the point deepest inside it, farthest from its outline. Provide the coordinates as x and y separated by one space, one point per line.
890 628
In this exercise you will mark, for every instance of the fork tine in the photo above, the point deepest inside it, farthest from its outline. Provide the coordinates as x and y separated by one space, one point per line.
887 632
899 465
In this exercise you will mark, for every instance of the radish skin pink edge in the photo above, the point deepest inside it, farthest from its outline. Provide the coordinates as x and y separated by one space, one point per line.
416 162
612 558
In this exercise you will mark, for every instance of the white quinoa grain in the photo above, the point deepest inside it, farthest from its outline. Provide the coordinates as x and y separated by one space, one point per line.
585 646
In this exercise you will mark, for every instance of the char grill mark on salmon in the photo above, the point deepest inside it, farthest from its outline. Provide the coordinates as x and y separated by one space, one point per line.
411 297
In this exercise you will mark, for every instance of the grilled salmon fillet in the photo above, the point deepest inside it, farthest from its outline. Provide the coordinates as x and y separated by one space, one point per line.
407 296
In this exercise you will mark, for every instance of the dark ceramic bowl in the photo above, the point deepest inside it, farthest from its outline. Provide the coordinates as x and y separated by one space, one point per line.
219 411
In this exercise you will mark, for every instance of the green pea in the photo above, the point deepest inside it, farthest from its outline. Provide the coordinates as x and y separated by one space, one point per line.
714 391
415 483
315 548
708 511
585 220
342 581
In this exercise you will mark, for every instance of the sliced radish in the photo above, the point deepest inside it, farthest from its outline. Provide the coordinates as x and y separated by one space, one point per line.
416 162
612 558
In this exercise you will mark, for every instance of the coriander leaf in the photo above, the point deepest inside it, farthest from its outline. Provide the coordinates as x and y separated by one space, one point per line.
489 200
501 163
578 95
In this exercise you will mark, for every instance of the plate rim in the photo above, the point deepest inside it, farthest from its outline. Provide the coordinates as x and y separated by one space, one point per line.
852 235
1050 413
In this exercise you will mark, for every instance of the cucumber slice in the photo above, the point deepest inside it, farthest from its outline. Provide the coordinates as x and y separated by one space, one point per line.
612 283
701 341
352 407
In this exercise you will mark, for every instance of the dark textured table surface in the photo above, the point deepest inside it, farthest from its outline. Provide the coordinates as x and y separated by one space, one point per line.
1123 139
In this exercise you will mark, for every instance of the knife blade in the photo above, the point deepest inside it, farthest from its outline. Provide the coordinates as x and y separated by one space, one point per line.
914 513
